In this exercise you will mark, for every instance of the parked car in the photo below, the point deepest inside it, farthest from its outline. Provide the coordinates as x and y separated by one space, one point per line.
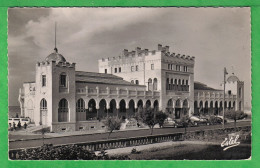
221 117
16 121
196 121
169 122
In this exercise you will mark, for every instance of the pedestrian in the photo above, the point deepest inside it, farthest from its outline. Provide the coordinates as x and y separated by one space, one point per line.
14 125
25 125
19 125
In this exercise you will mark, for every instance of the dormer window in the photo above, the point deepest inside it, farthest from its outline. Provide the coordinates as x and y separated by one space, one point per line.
63 80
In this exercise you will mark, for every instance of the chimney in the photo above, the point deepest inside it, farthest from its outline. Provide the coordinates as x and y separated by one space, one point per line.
159 47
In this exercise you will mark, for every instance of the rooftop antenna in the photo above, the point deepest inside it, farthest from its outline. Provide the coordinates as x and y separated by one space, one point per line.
56 50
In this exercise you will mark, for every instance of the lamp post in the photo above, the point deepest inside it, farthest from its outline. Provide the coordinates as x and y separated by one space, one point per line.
225 73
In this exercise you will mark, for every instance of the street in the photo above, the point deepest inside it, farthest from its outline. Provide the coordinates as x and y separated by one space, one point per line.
114 135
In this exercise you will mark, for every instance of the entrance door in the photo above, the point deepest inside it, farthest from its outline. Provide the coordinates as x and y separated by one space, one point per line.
43 119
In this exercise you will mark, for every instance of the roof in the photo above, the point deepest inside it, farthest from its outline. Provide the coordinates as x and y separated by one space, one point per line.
101 78
232 78
202 86
55 56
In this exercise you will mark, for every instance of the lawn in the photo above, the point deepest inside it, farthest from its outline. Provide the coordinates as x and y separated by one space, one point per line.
194 152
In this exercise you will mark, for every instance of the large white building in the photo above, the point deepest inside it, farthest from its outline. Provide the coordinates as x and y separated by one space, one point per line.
67 100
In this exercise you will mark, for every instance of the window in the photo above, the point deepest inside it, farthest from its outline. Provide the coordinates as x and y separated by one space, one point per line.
178 67
150 84
136 67
63 80
80 105
240 92
132 81
229 92
169 66
43 80
43 104
155 84
152 66
119 69
105 70
115 70
63 110
185 68
137 82
132 68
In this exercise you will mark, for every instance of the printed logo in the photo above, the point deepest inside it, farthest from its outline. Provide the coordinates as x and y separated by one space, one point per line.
231 141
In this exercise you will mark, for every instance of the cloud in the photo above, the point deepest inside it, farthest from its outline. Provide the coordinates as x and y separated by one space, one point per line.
217 37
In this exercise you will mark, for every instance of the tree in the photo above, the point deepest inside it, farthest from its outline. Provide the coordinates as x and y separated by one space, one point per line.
235 115
112 123
160 117
147 116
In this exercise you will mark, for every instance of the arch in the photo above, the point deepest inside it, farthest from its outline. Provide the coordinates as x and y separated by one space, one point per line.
229 105
43 104
196 109
156 105
148 104
206 108
150 84
169 106
225 104
43 112
92 106
122 106
63 110
140 104
211 109
216 111
131 106
112 106
178 109
80 105
102 111
80 109
155 83
185 106
178 103
185 103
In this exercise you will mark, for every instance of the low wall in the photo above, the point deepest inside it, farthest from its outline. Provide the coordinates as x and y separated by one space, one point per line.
135 141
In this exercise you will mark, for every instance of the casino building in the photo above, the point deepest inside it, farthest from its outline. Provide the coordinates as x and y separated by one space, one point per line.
67 100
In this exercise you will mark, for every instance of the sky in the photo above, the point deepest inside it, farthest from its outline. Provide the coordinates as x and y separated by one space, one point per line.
217 37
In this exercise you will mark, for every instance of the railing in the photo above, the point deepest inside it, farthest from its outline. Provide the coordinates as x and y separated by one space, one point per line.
117 92
135 141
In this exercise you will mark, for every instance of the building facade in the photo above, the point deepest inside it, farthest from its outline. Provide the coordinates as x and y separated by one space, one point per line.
67 100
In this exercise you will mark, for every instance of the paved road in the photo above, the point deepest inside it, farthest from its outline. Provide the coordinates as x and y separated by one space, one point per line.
114 135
